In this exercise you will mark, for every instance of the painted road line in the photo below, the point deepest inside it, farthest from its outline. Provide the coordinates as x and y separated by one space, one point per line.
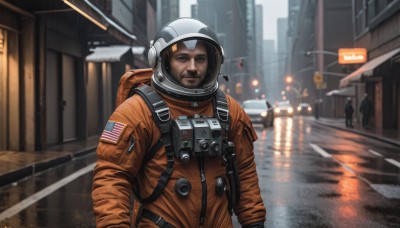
320 151
347 167
327 155
375 153
393 162
44 192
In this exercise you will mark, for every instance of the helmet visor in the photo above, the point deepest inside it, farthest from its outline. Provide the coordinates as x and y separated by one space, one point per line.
192 63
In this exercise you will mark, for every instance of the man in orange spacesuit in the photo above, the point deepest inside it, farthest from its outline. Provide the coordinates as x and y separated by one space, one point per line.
185 153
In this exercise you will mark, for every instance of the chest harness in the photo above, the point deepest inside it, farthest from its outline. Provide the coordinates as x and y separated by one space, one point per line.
184 144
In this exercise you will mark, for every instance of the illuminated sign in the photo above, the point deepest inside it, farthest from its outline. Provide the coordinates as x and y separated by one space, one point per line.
352 55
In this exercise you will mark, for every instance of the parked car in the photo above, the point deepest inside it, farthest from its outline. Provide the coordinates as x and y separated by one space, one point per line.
259 111
304 109
284 108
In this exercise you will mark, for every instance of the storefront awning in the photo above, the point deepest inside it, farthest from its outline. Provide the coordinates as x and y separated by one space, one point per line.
95 15
345 92
367 68
108 54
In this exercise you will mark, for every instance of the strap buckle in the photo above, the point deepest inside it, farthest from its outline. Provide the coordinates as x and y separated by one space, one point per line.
223 114
161 222
163 114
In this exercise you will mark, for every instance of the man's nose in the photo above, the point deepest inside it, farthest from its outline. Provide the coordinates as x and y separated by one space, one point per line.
192 65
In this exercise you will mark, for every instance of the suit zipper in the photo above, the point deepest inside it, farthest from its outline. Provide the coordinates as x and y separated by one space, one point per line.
204 191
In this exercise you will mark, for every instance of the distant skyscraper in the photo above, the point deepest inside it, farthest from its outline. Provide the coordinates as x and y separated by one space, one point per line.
235 24
259 45
270 66
282 49
167 11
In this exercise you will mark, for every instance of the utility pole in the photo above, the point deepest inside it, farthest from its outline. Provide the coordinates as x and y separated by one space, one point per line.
319 29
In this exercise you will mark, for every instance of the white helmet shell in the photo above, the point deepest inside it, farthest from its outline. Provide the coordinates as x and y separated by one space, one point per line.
181 30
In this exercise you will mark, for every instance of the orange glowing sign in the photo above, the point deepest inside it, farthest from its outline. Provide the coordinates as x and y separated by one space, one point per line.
352 55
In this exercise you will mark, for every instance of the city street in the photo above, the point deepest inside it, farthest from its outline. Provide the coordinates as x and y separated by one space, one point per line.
310 176
316 176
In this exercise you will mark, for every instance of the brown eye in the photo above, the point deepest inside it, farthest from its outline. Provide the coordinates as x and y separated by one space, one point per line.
201 59
181 58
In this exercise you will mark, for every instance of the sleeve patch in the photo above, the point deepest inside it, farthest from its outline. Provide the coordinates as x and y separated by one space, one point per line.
112 132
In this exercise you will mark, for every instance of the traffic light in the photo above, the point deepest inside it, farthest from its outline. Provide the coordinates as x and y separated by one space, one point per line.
289 79
255 83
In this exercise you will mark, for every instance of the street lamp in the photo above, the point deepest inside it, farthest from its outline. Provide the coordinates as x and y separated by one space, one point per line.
290 81
308 53
255 82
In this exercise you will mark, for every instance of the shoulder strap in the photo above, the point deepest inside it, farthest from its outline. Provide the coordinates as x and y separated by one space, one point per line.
161 115
222 111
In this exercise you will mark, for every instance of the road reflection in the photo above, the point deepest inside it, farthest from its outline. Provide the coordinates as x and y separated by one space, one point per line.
283 137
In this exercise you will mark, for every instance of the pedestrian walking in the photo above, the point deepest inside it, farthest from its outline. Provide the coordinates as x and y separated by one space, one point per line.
366 108
181 146
348 110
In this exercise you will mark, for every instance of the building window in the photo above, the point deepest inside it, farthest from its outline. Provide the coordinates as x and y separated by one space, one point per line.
361 16
380 10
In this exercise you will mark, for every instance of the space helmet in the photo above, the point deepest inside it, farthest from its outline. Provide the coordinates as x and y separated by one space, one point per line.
185 31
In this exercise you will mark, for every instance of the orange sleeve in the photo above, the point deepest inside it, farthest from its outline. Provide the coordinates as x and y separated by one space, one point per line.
118 164
250 208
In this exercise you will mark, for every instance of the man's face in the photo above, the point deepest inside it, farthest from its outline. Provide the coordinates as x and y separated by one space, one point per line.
189 63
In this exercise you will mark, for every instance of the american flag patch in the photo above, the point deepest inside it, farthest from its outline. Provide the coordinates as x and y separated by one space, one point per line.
112 132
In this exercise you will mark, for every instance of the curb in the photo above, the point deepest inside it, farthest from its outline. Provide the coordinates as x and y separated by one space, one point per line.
18 174
383 139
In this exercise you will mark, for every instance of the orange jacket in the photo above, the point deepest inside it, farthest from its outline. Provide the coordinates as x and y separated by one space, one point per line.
116 170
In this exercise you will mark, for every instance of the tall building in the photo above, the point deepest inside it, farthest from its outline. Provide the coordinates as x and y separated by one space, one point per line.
282 50
376 29
317 30
235 23
259 42
167 11
270 71
294 9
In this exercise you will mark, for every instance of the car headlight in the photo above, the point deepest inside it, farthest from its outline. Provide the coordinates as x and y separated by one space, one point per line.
277 110
290 110
299 108
309 109
263 114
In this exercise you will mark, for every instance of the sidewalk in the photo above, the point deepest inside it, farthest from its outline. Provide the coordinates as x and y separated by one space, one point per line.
17 165
388 136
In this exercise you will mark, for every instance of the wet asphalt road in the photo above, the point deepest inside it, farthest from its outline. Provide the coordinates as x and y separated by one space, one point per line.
316 176
310 176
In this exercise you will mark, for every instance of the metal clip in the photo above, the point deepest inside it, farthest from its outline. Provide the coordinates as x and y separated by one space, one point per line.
163 114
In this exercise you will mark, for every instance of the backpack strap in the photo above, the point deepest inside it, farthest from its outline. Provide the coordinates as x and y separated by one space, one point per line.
161 116
229 156
222 112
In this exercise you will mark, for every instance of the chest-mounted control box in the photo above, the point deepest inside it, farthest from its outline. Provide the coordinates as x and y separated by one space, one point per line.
198 136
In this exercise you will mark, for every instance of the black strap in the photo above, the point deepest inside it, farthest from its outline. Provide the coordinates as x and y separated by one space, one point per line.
149 155
152 152
161 116
222 112
162 182
158 220
156 104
